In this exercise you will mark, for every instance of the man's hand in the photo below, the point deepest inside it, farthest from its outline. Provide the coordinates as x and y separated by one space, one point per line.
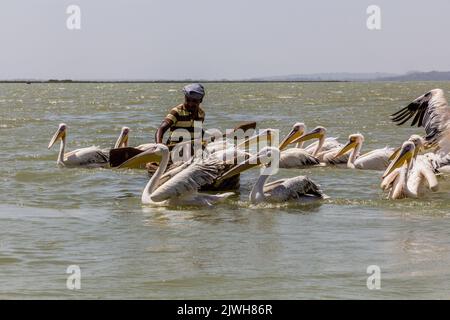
165 125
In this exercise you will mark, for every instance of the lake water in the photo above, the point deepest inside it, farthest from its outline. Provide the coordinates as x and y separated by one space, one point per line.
51 218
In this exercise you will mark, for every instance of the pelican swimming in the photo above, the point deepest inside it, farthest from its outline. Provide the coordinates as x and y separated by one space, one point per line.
180 187
377 159
84 157
122 142
439 163
295 157
325 149
409 175
300 188
432 112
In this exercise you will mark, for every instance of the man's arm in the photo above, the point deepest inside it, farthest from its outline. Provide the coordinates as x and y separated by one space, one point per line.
165 125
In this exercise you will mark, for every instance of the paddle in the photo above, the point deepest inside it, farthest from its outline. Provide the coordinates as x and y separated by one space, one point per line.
120 155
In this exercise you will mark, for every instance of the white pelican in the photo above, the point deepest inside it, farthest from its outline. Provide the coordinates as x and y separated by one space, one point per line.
299 188
86 157
440 164
179 187
409 175
432 112
123 142
295 157
325 149
377 159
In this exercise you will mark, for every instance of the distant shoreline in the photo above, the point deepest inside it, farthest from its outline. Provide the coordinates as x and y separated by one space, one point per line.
168 81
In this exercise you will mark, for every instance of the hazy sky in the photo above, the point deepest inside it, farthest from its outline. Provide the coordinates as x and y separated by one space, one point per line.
178 39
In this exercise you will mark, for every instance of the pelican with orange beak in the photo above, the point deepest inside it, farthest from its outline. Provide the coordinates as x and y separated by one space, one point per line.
377 159
325 149
409 176
296 157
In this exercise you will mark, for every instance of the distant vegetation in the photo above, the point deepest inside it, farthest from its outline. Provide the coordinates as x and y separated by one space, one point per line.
319 77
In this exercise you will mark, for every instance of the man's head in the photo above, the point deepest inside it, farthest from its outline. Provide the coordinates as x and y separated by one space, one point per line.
193 94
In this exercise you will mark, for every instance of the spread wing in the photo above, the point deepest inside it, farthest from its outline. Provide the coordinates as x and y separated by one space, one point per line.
432 112
189 180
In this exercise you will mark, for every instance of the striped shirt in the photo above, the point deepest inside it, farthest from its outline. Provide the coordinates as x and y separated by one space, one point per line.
180 118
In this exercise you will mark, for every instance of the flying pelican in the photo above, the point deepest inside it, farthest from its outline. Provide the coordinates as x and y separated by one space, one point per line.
377 159
295 157
300 188
85 157
181 187
432 112
325 149
409 174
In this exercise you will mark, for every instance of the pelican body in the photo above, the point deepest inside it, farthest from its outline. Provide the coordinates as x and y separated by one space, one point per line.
91 157
409 175
295 157
325 149
179 186
300 188
377 159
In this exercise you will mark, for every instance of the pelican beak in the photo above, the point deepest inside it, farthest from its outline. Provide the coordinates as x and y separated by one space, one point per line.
139 161
349 146
265 135
292 135
58 134
402 157
314 134
394 154
251 162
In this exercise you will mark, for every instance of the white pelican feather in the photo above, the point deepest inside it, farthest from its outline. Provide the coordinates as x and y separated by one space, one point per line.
432 112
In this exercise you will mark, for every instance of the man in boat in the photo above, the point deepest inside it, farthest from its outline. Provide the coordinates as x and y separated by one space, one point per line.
183 115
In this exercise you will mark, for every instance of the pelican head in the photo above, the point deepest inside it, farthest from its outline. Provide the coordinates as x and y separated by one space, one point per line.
296 132
122 141
152 154
405 155
419 143
354 140
59 134
264 156
317 133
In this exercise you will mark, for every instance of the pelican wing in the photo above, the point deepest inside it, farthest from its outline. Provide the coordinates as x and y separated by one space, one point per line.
188 181
173 170
92 156
297 158
432 112
439 163
292 189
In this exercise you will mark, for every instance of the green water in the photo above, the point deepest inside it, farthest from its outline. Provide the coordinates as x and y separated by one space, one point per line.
51 218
